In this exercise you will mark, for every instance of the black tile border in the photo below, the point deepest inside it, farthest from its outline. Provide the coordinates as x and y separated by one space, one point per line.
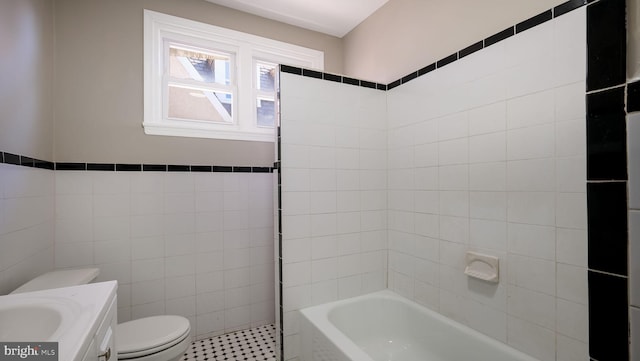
471 49
633 97
493 39
567 7
26 161
534 21
310 73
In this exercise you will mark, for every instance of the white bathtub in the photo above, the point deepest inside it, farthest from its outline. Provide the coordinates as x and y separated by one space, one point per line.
384 326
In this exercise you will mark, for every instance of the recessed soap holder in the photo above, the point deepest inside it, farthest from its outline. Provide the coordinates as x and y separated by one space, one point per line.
482 266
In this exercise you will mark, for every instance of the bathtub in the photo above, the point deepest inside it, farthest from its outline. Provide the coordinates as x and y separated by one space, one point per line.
384 326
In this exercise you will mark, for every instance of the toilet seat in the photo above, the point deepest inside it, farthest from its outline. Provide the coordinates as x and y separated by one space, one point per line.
150 335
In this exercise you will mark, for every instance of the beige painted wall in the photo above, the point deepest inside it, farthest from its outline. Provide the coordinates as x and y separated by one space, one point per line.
99 90
405 35
26 77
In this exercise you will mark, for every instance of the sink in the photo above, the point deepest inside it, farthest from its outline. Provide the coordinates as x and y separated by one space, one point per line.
38 319
69 316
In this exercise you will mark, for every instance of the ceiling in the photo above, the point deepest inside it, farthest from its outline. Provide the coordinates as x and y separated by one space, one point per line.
333 17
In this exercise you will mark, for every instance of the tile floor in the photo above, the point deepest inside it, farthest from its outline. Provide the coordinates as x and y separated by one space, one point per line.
256 344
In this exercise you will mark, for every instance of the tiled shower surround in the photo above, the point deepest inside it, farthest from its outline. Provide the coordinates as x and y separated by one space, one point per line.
486 154
333 193
196 244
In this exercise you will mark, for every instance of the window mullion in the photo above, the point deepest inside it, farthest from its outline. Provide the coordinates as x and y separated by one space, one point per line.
246 118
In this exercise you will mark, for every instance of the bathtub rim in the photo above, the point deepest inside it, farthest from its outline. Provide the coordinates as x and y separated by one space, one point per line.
319 316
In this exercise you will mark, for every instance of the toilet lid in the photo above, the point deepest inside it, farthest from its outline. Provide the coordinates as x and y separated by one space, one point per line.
151 334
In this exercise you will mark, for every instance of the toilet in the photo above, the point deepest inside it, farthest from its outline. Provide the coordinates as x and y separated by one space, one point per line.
156 338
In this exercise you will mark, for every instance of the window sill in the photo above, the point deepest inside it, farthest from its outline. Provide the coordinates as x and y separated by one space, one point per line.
207 131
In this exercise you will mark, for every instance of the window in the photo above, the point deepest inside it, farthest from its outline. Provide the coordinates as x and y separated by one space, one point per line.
205 81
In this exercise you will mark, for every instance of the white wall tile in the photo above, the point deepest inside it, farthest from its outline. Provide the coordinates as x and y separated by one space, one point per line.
525 175
571 210
488 119
572 320
569 349
532 273
572 283
488 234
571 138
532 142
571 174
488 176
453 151
532 240
634 256
530 110
490 147
635 330
537 208
532 306
633 145
531 339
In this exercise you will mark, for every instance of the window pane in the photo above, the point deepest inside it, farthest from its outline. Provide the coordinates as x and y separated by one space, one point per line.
209 67
266 112
194 104
266 75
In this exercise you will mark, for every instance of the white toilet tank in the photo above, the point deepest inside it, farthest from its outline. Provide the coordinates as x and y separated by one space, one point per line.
58 279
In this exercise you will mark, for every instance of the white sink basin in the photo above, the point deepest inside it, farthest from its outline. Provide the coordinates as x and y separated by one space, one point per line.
69 316
35 319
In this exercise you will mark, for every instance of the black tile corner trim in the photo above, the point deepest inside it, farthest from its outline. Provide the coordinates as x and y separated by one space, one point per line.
606 44
382 87
368 84
534 21
606 135
394 84
607 227
608 317
633 97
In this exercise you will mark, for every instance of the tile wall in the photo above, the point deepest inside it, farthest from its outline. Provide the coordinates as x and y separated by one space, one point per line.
488 154
333 194
188 243
607 185
633 143
26 224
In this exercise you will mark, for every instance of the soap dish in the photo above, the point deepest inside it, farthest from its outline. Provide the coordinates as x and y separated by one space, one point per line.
482 266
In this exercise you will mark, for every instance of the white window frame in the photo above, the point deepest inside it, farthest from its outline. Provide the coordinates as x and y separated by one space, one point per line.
246 48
